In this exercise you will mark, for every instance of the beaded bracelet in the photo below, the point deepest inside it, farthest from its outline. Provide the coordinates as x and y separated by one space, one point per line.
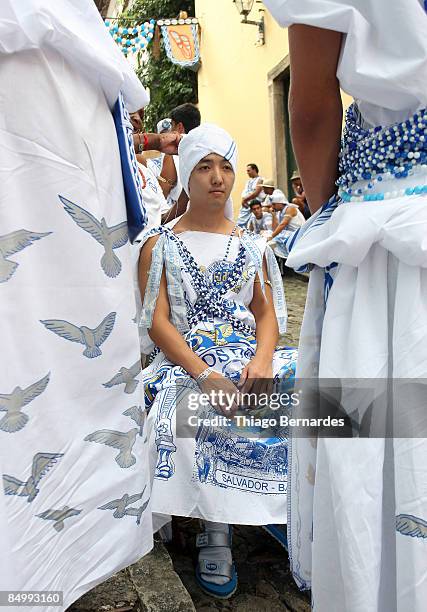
204 375
143 147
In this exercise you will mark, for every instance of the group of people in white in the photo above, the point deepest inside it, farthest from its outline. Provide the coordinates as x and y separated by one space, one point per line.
96 450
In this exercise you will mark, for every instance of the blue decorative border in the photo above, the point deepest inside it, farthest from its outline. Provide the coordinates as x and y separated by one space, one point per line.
135 208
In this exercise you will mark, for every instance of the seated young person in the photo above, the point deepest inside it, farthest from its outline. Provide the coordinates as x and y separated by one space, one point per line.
213 307
260 222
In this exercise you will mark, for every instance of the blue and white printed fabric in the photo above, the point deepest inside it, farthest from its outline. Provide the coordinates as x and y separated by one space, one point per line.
75 479
234 477
137 217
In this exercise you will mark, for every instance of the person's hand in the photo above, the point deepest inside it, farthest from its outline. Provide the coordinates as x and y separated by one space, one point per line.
169 142
223 392
257 376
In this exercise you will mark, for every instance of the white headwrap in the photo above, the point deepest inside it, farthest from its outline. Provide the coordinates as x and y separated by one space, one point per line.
279 197
200 142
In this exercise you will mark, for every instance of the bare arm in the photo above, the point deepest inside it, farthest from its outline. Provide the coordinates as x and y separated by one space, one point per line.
286 220
315 109
267 335
254 194
165 143
267 330
169 175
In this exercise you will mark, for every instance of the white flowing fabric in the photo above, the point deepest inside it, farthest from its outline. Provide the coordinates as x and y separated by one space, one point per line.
73 460
358 508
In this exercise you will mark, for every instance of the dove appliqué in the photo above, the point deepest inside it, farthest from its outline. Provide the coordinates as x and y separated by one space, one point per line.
412 526
90 338
59 516
137 414
126 376
42 463
120 506
110 238
12 404
124 442
13 243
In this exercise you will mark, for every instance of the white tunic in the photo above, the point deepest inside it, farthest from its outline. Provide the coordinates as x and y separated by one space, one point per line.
230 474
70 447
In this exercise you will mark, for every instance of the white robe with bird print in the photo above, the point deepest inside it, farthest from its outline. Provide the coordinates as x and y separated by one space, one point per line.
75 490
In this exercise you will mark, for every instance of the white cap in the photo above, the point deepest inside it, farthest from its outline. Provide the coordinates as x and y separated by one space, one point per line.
279 197
164 125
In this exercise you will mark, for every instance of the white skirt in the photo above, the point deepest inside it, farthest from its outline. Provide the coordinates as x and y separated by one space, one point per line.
227 475
358 507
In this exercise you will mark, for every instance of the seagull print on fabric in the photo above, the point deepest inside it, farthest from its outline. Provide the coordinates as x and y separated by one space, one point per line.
12 404
90 338
110 238
13 243
126 376
124 442
59 516
137 414
412 526
120 506
42 463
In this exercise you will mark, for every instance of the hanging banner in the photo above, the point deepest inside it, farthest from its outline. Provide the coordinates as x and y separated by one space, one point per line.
182 42
133 39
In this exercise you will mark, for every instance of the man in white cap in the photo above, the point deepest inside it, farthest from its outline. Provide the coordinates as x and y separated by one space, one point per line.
287 218
74 501
268 187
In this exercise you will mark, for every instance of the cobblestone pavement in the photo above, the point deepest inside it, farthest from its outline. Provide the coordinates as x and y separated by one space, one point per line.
265 582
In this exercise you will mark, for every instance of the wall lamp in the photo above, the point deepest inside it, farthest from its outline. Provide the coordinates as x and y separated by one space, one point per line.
245 7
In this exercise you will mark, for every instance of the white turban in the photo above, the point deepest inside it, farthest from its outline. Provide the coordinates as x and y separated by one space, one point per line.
200 142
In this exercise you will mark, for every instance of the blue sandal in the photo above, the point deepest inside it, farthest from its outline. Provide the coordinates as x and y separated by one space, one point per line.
213 539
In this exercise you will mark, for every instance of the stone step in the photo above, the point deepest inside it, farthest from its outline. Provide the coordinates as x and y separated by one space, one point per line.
150 585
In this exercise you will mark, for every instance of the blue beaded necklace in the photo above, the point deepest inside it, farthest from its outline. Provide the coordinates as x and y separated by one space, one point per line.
380 153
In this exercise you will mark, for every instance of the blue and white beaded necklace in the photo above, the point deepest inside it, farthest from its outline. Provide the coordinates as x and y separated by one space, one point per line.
380 154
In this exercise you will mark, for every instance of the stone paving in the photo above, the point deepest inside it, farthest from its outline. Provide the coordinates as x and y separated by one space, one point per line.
265 583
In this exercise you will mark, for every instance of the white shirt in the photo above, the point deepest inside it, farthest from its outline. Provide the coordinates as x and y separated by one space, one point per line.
261 226
154 200
250 186
383 61
156 166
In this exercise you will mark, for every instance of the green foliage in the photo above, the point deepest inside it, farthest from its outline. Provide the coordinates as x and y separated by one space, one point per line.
169 85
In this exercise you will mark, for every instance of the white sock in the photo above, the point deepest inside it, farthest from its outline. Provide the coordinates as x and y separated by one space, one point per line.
218 553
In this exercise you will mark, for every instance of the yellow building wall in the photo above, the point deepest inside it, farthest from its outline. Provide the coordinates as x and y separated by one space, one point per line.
233 88
233 81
